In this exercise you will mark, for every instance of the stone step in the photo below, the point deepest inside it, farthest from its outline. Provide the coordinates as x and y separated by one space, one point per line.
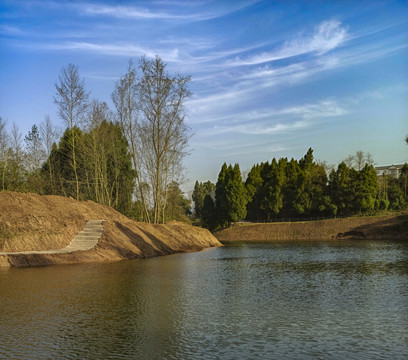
87 238
84 240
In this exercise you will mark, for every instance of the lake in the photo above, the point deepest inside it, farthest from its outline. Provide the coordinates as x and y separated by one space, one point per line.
280 300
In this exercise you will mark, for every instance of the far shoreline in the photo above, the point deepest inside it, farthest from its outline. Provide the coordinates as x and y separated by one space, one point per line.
383 227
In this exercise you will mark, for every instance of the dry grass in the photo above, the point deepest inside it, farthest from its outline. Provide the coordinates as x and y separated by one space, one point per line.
382 227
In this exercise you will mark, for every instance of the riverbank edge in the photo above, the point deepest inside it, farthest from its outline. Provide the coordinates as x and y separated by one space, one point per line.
375 228
188 239
47 223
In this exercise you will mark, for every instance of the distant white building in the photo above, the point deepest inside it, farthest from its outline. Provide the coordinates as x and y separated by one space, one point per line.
391 170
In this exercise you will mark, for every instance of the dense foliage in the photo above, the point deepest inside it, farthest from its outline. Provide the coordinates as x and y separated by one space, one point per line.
298 189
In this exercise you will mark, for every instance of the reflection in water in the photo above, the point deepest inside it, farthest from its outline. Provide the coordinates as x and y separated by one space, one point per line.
298 300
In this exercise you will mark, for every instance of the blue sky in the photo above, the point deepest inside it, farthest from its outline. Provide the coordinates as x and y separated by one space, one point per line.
269 78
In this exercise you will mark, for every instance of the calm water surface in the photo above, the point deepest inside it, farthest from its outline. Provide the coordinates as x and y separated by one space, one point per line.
281 300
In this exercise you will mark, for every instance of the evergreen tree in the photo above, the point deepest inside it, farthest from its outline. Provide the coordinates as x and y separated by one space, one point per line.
273 176
403 180
395 194
292 189
199 193
230 195
221 203
178 207
365 189
235 194
253 184
208 213
340 188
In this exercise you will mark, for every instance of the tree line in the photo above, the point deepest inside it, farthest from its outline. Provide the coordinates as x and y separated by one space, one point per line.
129 158
301 188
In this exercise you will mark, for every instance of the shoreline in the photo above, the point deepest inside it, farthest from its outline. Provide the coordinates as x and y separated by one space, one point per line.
40 231
393 227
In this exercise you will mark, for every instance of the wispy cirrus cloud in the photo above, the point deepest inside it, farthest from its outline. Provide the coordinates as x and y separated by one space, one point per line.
125 49
126 12
327 36
276 121
133 12
323 109
10 30
245 83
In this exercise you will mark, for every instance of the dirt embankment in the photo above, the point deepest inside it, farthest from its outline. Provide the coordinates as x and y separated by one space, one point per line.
32 222
385 227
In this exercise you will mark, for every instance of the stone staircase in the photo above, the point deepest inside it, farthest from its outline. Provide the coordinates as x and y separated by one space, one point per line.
85 240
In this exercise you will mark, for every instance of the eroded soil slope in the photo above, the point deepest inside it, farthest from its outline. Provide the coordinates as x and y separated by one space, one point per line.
34 222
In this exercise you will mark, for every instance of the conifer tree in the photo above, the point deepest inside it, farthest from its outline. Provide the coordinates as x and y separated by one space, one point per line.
235 194
199 193
221 204
253 184
272 198
208 213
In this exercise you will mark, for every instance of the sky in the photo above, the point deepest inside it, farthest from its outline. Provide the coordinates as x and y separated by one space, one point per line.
269 78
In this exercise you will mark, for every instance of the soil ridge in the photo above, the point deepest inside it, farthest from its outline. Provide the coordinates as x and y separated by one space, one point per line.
42 225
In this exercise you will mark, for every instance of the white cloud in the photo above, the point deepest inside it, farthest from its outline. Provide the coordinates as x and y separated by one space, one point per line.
126 12
323 109
11 30
276 121
132 12
126 49
327 36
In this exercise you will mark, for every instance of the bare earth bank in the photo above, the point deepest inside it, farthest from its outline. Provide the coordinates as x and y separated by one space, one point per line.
384 227
32 222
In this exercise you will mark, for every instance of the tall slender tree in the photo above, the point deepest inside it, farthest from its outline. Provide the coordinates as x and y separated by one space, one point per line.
71 98
125 97
35 149
164 134
48 137
4 147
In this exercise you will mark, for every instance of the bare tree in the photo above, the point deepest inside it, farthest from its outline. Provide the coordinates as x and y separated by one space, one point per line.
151 113
35 149
349 161
16 144
95 148
48 134
72 100
165 134
4 146
125 98
369 159
17 159
359 160
48 137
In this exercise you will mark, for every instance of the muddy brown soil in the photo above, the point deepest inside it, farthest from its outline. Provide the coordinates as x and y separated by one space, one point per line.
31 222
